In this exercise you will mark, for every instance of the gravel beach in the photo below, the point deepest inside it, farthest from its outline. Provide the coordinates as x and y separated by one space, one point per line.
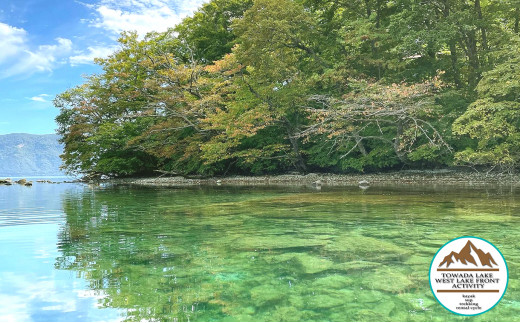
402 178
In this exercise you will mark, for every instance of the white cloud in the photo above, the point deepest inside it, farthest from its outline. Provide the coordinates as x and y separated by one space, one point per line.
87 57
11 39
39 98
14 309
142 16
17 58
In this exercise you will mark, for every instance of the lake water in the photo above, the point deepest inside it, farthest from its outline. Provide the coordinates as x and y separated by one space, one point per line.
71 252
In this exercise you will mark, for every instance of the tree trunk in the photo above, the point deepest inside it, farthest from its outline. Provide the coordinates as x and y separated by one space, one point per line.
517 20
367 5
454 67
473 59
478 9
375 52
378 13
397 142
453 50
359 143
298 161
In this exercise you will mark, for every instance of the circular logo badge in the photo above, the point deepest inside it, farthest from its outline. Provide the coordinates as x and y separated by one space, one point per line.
468 276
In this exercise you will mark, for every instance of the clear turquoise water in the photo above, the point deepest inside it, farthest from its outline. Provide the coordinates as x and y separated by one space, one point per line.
71 252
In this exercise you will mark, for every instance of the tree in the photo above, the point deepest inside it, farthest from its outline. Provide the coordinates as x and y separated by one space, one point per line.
117 122
270 86
493 120
384 125
208 35
269 72
95 135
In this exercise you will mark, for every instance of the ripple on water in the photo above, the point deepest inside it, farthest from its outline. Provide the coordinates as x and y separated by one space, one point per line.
226 254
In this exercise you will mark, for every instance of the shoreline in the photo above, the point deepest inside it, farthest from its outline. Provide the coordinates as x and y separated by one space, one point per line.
401 178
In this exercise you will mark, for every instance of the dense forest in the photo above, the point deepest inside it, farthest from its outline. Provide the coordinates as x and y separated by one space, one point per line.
276 86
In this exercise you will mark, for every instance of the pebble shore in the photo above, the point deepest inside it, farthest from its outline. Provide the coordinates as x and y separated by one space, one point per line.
436 177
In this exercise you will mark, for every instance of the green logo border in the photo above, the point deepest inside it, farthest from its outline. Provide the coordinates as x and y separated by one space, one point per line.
430 281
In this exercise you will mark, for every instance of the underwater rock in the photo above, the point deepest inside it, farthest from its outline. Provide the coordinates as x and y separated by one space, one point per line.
330 299
229 277
420 276
325 301
265 294
297 301
432 243
385 307
360 247
388 279
323 229
418 260
285 314
356 265
514 283
284 257
366 315
364 296
307 263
332 282
478 215
419 302
312 264
275 242
427 251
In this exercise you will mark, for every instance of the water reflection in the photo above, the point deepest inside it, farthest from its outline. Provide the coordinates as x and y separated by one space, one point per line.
31 289
277 254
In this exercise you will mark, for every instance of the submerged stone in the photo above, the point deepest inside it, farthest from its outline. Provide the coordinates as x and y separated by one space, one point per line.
265 294
227 277
333 282
330 299
297 301
306 263
356 265
325 301
284 257
364 296
358 247
418 260
388 279
285 314
368 315
275 242
419 302
385 308
312 264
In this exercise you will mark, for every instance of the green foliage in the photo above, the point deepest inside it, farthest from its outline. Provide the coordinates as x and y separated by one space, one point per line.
207 36
493 120
271 86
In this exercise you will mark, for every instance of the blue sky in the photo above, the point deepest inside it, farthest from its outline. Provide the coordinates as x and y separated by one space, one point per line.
47 45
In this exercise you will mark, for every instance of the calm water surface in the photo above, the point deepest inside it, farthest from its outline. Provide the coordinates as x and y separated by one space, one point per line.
71 252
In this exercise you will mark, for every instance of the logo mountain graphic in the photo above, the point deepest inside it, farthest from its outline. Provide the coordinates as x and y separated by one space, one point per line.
465 257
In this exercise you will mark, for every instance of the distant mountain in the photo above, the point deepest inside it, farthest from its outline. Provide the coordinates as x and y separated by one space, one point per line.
465 257
30 155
